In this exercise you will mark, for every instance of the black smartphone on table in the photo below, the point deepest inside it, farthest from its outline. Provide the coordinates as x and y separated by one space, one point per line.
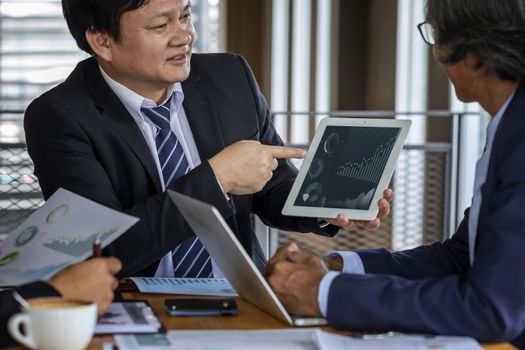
200 307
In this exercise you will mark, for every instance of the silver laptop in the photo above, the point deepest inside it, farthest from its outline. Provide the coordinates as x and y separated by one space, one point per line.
237 266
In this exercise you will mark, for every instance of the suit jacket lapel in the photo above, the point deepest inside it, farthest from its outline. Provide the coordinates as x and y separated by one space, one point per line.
206 127
112 108
202 118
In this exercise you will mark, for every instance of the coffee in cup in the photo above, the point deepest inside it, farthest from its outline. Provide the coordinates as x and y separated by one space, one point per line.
54 323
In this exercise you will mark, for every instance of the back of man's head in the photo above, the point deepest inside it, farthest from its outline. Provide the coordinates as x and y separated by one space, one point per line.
97 16
491 31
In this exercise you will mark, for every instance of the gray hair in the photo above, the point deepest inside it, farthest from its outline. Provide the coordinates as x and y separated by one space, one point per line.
491 31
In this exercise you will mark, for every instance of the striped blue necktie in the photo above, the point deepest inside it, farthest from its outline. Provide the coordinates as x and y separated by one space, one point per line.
190 258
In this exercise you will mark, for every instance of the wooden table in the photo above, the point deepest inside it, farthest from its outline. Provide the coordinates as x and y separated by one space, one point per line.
249 317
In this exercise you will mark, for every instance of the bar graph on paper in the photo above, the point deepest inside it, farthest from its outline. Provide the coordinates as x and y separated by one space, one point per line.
80 245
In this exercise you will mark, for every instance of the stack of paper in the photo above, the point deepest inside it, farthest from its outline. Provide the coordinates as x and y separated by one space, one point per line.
290 339
128 317
195 286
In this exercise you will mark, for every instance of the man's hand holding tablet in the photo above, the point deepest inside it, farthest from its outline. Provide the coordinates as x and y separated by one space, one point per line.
384 209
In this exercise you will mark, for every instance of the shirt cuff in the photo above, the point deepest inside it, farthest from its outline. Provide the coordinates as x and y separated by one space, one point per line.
322 223
352 263
226 195
324 288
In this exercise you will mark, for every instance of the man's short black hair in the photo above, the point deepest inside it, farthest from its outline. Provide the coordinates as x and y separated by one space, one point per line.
491 31
96 15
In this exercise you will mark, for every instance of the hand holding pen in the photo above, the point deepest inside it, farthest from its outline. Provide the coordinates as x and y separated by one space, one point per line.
97 249
92 280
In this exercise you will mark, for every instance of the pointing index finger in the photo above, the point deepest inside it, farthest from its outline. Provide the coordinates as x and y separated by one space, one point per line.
286 152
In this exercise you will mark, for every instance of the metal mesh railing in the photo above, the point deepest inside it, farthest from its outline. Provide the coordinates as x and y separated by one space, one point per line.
432 177
19 189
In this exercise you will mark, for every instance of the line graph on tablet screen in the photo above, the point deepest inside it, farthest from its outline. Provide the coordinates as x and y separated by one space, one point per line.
347 167
372 162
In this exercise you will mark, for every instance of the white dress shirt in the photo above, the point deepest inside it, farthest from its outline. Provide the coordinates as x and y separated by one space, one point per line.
482 167
179 125
352 263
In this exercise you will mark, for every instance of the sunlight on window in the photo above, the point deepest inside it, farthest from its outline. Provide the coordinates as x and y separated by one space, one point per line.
20 8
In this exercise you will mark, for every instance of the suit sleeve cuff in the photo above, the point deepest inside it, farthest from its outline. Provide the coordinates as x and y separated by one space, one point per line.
200 185
324 288
37 289
352 262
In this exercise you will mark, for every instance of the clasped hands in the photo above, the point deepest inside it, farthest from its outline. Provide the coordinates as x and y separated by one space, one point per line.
295 274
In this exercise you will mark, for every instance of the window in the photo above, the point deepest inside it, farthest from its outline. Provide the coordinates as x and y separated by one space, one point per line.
37 52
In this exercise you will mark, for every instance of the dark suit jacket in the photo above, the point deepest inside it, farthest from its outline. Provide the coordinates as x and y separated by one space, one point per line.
81 137
9 306
433 288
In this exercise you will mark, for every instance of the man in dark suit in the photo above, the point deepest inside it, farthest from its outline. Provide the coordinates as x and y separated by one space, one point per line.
122 129
92 281
473 283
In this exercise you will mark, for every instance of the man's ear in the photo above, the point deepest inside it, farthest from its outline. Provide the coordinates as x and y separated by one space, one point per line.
476 65
100 43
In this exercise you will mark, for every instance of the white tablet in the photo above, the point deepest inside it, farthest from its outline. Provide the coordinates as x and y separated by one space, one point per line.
347 168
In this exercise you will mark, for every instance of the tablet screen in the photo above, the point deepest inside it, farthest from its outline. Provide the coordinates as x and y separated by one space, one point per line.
347 167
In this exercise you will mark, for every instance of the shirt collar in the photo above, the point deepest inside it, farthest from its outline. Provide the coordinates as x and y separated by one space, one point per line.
504 107
134 101
493 125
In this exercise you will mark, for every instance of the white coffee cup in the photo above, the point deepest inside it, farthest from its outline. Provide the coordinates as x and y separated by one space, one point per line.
53 323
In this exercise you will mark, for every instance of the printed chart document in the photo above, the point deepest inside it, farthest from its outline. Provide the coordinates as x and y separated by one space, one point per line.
128 317
194 286
292 339
58 234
